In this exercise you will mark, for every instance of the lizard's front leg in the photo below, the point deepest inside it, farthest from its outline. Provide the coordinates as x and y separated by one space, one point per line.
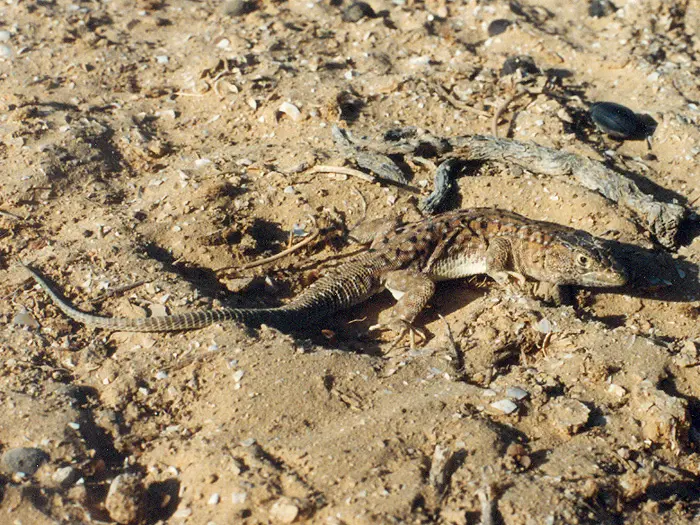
499 258
413 290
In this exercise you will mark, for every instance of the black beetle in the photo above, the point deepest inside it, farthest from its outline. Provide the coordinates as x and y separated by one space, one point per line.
621 122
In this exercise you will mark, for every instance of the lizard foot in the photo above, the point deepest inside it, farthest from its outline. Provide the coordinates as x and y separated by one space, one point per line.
401 327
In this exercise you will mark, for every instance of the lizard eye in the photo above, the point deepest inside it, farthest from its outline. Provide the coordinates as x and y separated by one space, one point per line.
583 260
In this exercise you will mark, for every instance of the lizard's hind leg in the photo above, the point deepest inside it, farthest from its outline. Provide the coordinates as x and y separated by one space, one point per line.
412 290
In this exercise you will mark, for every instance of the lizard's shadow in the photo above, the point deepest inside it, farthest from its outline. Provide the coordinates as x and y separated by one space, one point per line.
655 274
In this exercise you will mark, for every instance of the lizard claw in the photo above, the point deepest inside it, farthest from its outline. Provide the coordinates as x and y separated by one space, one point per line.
401 327
508 276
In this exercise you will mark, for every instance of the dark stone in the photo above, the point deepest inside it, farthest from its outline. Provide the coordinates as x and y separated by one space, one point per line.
601 8
498 26
524 63
357 11
26 460
239 7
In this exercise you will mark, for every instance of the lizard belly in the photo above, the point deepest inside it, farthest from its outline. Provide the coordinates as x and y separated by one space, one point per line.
462 265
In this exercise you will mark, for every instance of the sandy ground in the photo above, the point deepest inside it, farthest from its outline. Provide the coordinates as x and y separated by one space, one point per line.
154 142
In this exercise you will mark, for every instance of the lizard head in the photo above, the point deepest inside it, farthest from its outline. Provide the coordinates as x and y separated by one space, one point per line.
583 261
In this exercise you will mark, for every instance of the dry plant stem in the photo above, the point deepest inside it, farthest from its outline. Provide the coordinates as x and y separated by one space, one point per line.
272 258
456 103
488 504
115 291
662 219
363 203
343 171
11 215
502 109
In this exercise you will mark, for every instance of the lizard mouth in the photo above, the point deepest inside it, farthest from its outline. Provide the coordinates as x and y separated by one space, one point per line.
607 279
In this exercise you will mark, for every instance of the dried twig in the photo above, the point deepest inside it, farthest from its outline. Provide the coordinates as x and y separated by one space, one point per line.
488 504
363 202
279 255
455 102
457 357
502 108
343 171
439 475
661 219
115 291
11 215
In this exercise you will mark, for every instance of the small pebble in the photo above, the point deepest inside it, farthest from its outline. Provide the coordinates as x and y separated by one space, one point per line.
5 51
289 190
162 59
601 8
498 26
158 310
214 499
523 63
24 460
284 510
357 11
25 319
624 452
505 405
66 476
5 36
238 7
616 390
76 394
420 61
237 498
517 393
185 512
543 326
170 113
125 500
569 416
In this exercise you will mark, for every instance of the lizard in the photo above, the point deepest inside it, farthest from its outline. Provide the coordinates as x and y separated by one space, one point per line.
408 261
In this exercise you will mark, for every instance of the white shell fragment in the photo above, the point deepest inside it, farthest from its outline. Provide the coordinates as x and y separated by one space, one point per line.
543 326
200 163
505 405
617 390
237 498
25 319
517 393
290 110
